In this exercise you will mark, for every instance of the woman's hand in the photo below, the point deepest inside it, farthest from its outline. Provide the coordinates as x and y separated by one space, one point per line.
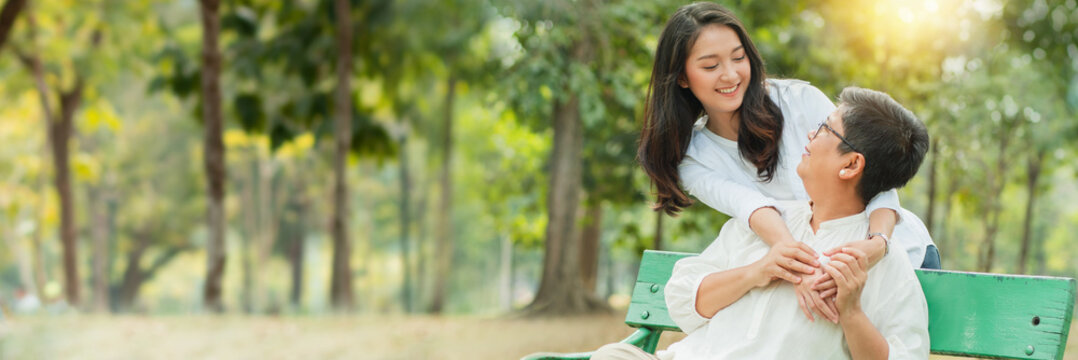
874 248
824 284
785 261
849 271
811 301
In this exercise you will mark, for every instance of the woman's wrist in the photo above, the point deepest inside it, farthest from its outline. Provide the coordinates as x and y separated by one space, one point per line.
755 275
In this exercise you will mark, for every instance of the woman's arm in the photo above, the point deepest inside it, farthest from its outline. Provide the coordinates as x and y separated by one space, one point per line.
743 203
720 289
767 223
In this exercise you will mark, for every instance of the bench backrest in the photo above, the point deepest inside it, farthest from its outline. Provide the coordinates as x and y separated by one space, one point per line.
969 314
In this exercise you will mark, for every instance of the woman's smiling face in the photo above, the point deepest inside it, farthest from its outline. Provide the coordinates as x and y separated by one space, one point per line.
717 70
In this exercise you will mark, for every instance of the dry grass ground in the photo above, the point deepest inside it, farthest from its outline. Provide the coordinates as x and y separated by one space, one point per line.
337 337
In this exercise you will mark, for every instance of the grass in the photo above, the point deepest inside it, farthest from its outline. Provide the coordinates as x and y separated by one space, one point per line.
327 337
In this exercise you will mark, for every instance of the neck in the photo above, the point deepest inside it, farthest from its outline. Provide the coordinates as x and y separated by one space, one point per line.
834 207
724 124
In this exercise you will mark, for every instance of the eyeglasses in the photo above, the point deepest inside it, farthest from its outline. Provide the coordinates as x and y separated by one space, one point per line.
823 125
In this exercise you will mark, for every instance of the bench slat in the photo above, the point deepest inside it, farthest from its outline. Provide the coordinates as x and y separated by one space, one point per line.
970 314
993 315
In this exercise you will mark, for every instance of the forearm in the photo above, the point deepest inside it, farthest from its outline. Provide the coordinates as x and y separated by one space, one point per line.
720 289
767 223
864 340
883 220
875 248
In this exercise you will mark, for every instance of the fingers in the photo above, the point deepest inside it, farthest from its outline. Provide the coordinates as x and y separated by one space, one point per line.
855 252
809 254
829 292
823 284
822 308
830 269
833 251
851 280
852 266
798 266
834 307
798 257
781 273
804 307
861 256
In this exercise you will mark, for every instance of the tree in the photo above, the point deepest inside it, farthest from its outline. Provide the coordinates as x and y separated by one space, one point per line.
567 53
60 130
8 15
341 282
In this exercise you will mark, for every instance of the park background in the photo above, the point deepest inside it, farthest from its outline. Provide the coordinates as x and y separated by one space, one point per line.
400 182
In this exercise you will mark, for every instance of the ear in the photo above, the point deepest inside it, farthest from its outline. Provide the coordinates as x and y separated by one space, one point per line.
854 166
682 81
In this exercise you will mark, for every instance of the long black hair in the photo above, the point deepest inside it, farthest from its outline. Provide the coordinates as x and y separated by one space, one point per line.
671 110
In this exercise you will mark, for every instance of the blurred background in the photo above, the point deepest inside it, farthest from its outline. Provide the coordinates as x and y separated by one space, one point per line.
224 175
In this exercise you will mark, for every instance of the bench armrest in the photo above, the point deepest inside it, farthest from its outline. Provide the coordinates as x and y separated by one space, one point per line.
638 338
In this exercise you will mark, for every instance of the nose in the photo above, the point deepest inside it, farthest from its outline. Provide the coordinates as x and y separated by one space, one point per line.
812 134
728 73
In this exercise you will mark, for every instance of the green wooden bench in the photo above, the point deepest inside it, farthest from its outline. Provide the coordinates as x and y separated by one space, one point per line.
969 314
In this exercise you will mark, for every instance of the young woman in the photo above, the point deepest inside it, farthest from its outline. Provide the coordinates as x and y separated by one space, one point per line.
732 138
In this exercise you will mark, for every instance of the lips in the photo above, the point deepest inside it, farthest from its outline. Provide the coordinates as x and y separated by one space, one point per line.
729 90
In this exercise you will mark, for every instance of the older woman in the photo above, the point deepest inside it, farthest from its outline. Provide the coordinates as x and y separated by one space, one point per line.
730 305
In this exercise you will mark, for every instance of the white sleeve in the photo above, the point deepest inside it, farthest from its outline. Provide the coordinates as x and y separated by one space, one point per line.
885 200
688 273
714 188
813 105
902 315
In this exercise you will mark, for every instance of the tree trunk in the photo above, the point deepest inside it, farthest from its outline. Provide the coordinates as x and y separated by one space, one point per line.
59 128
444 247
589 244
132 278
7 18
100 232
60 136
1033 172
135 276
341 278
930 217
406 223
213 156
997 178
298 235
561 290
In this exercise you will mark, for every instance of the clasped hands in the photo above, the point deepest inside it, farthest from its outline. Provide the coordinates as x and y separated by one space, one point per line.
831 289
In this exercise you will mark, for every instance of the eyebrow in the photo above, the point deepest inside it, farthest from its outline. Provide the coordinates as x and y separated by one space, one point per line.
739 47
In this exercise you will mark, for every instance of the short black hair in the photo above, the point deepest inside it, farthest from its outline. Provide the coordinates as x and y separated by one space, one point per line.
892 140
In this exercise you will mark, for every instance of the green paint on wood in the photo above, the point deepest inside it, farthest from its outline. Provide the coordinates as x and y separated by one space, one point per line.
1021 317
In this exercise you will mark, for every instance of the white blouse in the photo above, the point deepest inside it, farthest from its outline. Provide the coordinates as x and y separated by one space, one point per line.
767 322
716 174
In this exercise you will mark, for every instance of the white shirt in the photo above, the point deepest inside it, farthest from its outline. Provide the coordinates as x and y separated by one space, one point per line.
767 322
715 173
